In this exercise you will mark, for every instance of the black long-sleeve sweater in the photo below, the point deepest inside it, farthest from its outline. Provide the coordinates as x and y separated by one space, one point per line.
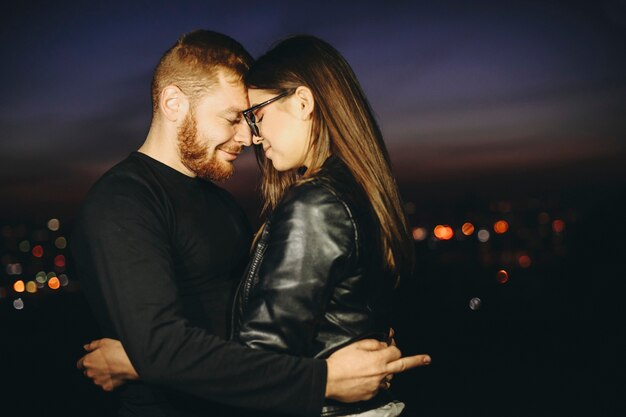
158 255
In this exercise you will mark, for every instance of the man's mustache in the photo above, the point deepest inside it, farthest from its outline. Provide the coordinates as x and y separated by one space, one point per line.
236 149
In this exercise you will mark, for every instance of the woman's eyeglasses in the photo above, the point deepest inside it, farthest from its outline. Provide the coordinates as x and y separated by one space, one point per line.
248 114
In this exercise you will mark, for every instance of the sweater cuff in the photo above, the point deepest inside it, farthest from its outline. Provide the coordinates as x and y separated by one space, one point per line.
318 387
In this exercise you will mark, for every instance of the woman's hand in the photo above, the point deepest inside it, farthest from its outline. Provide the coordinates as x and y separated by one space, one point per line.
107 364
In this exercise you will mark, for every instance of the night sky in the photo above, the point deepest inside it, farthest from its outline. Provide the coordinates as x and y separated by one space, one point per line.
468 94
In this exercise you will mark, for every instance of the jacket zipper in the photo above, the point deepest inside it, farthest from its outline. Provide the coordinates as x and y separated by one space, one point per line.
246 283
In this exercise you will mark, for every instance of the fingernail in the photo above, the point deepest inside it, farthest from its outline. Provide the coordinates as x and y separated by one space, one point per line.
427 360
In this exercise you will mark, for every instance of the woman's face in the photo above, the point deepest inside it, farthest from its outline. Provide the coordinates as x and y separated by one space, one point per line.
284 128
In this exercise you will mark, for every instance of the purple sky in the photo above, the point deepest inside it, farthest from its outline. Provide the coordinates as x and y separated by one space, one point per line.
460 90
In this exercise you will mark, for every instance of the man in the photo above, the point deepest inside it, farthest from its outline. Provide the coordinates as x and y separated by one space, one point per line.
158 248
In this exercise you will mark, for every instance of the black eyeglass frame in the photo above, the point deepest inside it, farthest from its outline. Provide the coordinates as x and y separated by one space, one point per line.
248 114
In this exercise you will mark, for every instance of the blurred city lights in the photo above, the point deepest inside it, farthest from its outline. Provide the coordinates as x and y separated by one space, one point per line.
51 275
18 304
443 232
41 277
63 280
54 283
24 246
419 233
59 261
38 251
502 276
558 226
31 287
483 235
18 286
467 228
60 242
501 226
54 224
524 261
475 303
14 269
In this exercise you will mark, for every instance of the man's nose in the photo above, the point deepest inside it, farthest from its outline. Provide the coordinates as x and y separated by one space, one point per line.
243 134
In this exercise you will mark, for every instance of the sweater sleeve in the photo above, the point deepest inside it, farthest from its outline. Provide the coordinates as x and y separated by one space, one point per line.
311 239
123 256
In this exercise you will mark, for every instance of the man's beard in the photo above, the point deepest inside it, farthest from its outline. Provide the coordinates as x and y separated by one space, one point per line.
196 157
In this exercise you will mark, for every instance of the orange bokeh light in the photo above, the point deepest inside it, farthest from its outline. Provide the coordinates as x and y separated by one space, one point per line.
558 226
502 276
54 283
467 228
501 226
443 232
19 286
38 251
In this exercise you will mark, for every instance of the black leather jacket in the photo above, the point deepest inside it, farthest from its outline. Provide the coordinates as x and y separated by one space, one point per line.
316 280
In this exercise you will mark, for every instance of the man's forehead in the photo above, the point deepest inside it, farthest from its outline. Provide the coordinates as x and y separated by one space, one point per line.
231 93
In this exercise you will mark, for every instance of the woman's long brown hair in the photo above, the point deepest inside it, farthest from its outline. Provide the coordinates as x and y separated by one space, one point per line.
344 126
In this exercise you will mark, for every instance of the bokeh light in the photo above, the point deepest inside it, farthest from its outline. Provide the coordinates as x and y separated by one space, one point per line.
54 224
64 280
524 261
59 261
501 226
54 283
41 277
18 304
483 235
558 226
443 232
38 251
18 286
24 246
467 228
60 242
31 287
419 233
14 269
475 303
502 276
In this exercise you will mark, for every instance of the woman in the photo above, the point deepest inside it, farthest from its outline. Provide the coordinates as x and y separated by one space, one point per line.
336 242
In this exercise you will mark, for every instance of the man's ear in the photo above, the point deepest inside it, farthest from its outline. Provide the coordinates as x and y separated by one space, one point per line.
305 102
173 103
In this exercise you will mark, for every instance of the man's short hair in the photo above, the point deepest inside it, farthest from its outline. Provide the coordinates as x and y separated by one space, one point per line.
195 61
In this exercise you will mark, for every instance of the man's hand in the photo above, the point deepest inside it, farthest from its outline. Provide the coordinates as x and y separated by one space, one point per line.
107 364
357 371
